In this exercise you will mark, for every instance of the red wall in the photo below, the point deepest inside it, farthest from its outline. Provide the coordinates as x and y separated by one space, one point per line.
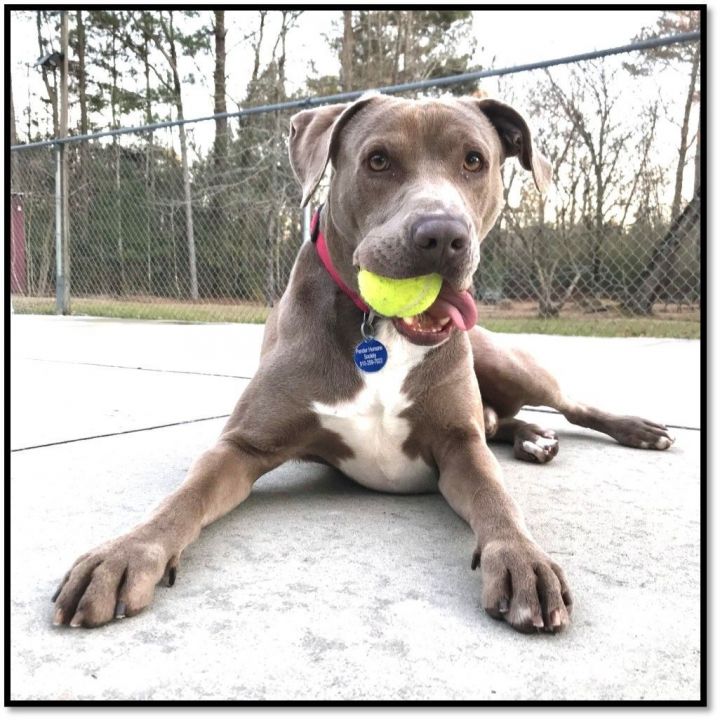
18 278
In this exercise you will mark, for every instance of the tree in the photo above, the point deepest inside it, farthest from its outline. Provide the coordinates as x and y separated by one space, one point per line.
605 139
168 39
221 124
264 142
657 269
560 248
114 87
387 47
347 53
49 76
139 39
684 223
50 81
688 54
13 130
547 251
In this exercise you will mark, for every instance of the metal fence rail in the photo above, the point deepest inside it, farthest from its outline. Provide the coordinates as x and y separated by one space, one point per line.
612 250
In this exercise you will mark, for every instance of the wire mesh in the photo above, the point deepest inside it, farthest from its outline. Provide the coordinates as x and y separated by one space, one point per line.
613 249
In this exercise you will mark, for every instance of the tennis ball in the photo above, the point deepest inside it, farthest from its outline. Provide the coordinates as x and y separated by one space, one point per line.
399 298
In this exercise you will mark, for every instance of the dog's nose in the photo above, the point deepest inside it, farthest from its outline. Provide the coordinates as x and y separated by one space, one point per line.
440 236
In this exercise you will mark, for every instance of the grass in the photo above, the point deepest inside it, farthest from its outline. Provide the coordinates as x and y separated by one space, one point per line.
606 327
150 309
670 326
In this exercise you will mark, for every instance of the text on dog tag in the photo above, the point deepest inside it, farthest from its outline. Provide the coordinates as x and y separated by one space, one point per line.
370 355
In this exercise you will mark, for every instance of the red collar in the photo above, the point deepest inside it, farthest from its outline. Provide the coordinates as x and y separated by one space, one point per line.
321 246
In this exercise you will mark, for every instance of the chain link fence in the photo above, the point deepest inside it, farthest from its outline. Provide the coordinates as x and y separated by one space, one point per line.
614 249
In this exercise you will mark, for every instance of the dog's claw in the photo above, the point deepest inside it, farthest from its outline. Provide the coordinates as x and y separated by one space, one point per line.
504 606
172 574
58 617
120 610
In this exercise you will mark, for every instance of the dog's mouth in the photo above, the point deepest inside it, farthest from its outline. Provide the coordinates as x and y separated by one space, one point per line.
423 329
453 309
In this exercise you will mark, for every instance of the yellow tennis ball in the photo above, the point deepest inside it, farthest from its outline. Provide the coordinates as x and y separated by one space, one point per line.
399 298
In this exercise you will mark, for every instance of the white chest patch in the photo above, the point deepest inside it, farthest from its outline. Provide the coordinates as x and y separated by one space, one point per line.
371 426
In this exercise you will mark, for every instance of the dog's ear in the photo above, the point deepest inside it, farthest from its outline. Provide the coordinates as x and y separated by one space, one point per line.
516 139
313 137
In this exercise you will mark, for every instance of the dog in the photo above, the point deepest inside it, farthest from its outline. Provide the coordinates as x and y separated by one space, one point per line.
415 187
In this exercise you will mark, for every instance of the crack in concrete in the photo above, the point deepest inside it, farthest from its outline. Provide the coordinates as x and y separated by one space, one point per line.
119 432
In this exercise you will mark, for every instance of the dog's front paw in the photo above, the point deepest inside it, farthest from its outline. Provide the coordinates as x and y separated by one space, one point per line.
115 580
523 586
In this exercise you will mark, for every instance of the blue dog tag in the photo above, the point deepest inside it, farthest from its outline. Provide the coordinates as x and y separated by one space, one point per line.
370 355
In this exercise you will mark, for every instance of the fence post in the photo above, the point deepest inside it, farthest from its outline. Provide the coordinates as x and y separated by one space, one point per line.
62 285
62 220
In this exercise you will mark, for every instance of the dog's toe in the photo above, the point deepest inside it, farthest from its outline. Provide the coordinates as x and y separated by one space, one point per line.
534 444
524 587
640 433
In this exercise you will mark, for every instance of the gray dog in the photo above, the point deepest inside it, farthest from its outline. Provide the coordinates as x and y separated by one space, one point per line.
416 186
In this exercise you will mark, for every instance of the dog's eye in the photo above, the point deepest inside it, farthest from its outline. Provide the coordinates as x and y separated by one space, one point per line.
378 162
473 161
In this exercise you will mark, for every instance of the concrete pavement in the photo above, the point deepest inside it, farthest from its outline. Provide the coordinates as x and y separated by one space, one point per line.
316 588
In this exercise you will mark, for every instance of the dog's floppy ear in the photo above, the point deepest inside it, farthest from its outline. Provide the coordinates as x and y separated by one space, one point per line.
516 139
313 136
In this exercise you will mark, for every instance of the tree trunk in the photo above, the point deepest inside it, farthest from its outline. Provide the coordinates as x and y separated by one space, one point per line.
256 48
13 137
399 16
118 218
187 201
280 90
597 227
682 152
46 254
176 275
218 181
221 124
13 131
50 89
641 301
698 157
116 145
81 78
82 190
348 52
149 164
187 190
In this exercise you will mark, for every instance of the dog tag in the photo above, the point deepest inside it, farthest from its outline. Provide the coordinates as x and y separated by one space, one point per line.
370 355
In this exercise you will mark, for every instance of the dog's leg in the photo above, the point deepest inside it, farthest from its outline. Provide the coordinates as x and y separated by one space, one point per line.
118 578
510 378
530 442
521 583
626 429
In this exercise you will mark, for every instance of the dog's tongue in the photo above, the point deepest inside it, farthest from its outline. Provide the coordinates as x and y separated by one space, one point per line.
458 306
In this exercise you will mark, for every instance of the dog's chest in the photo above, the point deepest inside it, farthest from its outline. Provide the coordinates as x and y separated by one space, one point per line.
370 424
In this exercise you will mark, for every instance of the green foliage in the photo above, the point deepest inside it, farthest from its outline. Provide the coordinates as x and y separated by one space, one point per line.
397 46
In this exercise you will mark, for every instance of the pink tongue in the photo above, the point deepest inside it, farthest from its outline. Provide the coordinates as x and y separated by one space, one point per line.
458 306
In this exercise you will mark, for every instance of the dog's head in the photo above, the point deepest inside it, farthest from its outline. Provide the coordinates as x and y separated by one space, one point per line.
416 185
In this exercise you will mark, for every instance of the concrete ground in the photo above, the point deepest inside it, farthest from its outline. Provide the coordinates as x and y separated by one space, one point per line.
317 589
